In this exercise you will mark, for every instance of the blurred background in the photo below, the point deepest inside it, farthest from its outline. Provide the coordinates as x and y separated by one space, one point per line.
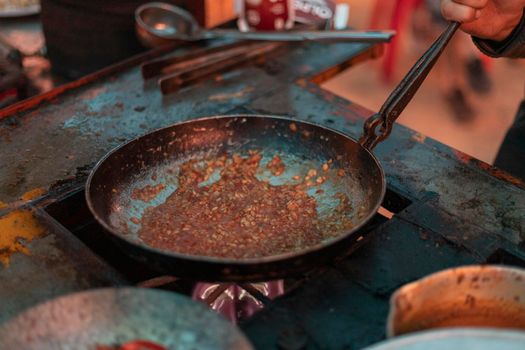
467 102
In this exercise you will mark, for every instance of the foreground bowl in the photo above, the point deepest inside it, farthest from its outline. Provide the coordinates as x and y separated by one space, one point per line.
471 296
102 318
458 338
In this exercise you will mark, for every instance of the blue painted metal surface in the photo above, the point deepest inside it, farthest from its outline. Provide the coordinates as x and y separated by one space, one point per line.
473 214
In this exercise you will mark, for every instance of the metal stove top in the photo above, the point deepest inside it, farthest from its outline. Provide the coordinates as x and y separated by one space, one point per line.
448 209
343 304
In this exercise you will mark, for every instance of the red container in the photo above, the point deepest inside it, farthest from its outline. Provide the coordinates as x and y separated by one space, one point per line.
266 15
312 11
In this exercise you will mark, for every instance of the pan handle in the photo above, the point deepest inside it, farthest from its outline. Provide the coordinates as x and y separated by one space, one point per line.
403 93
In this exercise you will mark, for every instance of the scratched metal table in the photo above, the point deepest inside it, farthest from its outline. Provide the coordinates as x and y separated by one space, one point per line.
449 209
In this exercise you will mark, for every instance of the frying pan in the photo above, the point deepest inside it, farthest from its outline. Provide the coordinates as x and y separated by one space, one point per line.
105 317
305 146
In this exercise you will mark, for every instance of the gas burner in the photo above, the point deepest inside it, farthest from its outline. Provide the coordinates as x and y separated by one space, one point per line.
237 301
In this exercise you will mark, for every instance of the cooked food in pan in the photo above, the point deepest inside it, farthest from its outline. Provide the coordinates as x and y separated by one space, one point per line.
226 207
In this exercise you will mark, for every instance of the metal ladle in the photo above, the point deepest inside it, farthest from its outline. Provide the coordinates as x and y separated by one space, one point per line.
160 23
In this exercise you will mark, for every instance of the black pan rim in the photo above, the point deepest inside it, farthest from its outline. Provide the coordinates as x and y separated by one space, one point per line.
228 261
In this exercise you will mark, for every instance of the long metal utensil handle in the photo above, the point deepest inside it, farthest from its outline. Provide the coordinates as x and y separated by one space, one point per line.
403 93
325 36
179 79
157 67
195 58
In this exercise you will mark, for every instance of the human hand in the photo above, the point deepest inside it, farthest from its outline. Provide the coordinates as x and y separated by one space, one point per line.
486 19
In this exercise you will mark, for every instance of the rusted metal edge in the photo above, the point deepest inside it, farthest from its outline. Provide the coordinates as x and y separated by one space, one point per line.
46 199
370 52
495 172
35 101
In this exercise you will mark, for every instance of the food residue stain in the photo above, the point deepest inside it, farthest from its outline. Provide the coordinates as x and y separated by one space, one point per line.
17 228
230 96
35 193
92 93
147 193
418 137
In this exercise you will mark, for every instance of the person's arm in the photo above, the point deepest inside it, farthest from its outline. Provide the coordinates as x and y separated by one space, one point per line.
497 26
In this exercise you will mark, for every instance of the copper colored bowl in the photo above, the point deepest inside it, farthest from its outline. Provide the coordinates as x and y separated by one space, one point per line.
471 296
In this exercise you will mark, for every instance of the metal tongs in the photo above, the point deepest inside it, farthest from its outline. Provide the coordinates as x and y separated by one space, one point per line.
180 71
403 93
